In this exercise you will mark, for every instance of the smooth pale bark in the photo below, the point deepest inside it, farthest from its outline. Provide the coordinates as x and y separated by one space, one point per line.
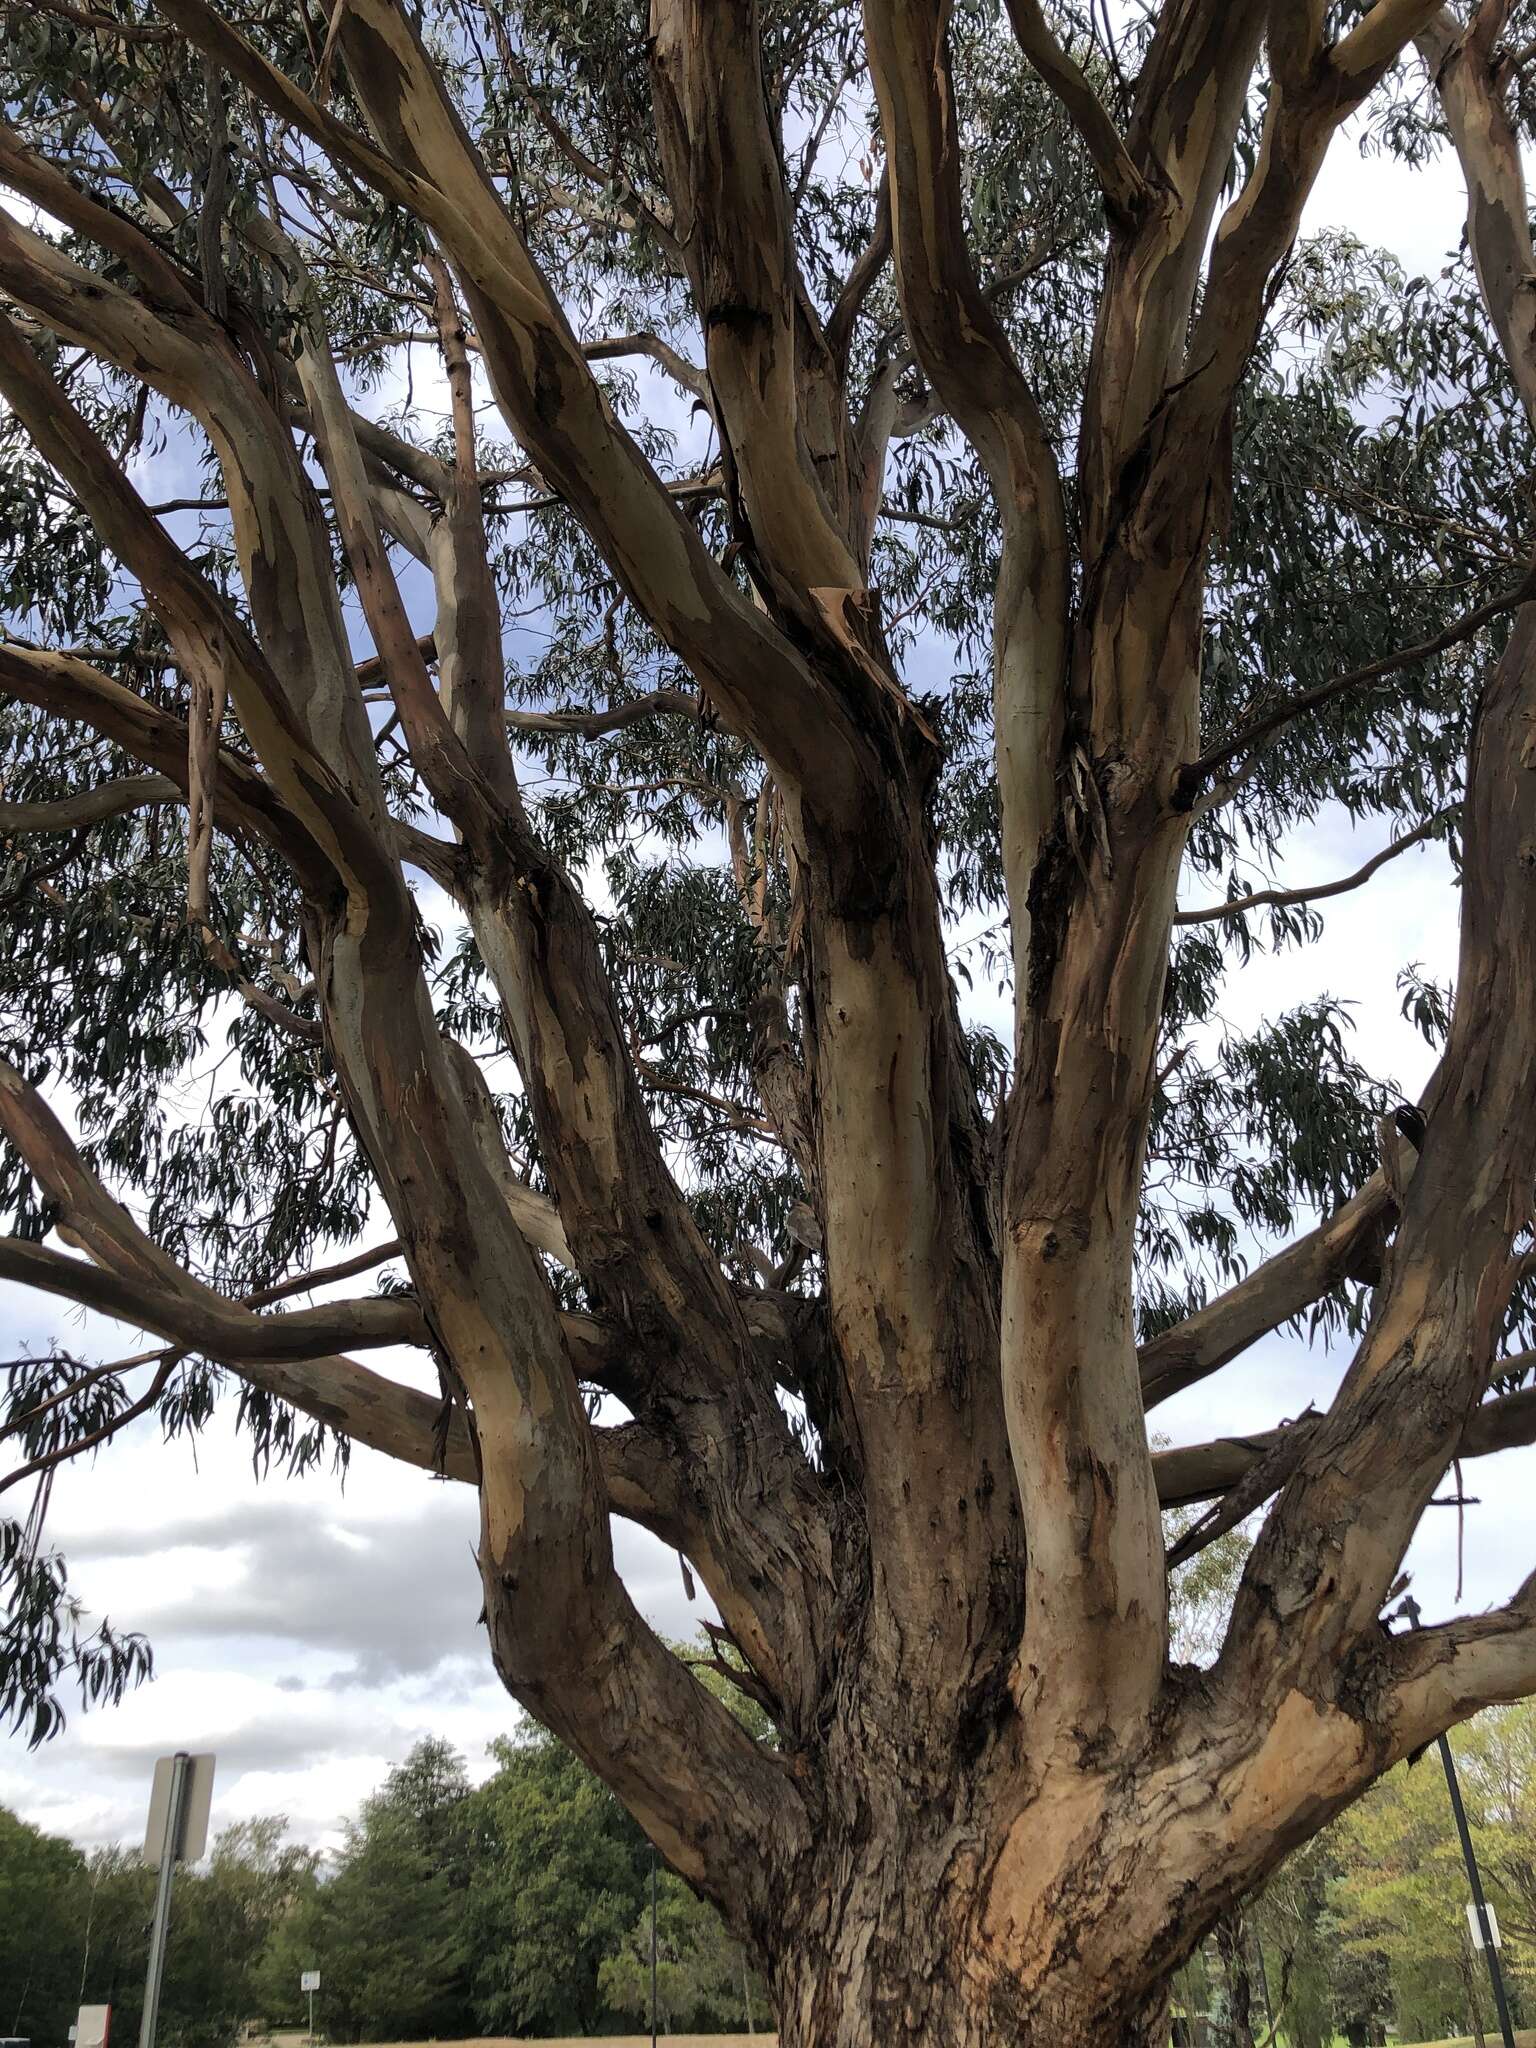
995 1814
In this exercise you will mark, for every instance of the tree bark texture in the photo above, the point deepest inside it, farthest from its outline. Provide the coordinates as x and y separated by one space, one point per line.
994 1811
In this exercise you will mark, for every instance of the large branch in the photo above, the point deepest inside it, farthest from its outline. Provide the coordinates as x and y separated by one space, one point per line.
629 1230
1189 101
1332 1544
197 1319
1346 1517
207 636
1443 1675
64 686
1474 96
777 396
86 807
1125 190
1348 1245
1201 1472
296 695
547 392
968 359
565 1636
1313 91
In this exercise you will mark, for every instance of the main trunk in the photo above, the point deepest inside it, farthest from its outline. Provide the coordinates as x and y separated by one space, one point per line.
908 1931
880 1956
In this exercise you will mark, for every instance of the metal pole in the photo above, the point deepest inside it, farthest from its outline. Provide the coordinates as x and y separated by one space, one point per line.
160 1925
1410 1607
652 1948
311 2020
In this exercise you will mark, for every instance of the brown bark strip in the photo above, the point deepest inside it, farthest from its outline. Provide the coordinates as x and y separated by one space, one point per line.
203 728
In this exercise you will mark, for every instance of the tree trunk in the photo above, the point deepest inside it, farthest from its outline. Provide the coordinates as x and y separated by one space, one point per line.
846 2001
885 1950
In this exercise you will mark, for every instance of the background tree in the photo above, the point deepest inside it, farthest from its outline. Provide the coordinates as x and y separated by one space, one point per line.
703 1979
389 1928
572 858
560 1880
39 1895
1401 1888
77 1931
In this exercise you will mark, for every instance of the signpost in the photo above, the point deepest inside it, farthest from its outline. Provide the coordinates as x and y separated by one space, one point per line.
1495 1940
90 2030
177 1833
653 1948
309 1980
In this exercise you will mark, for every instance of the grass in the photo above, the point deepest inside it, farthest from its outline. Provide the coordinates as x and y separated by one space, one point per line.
1525 2037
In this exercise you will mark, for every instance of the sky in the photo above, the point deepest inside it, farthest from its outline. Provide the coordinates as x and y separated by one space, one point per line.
309 1631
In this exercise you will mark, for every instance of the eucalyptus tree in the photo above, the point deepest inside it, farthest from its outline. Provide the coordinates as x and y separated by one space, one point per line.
681 568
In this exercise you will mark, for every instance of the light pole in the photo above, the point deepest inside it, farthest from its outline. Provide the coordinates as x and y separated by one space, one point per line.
653 1949
1409 1607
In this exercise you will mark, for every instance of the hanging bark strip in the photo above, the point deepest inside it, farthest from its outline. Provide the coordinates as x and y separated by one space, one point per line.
204 725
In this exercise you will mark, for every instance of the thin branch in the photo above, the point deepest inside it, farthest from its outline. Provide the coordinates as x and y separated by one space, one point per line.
592 725
1125 190
324 1276
35 1467
89 806
677 367
1190 777
1315 892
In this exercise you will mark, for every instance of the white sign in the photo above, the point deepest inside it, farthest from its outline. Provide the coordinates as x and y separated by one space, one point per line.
1477 1932
196 1798
90 2030
309 1980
